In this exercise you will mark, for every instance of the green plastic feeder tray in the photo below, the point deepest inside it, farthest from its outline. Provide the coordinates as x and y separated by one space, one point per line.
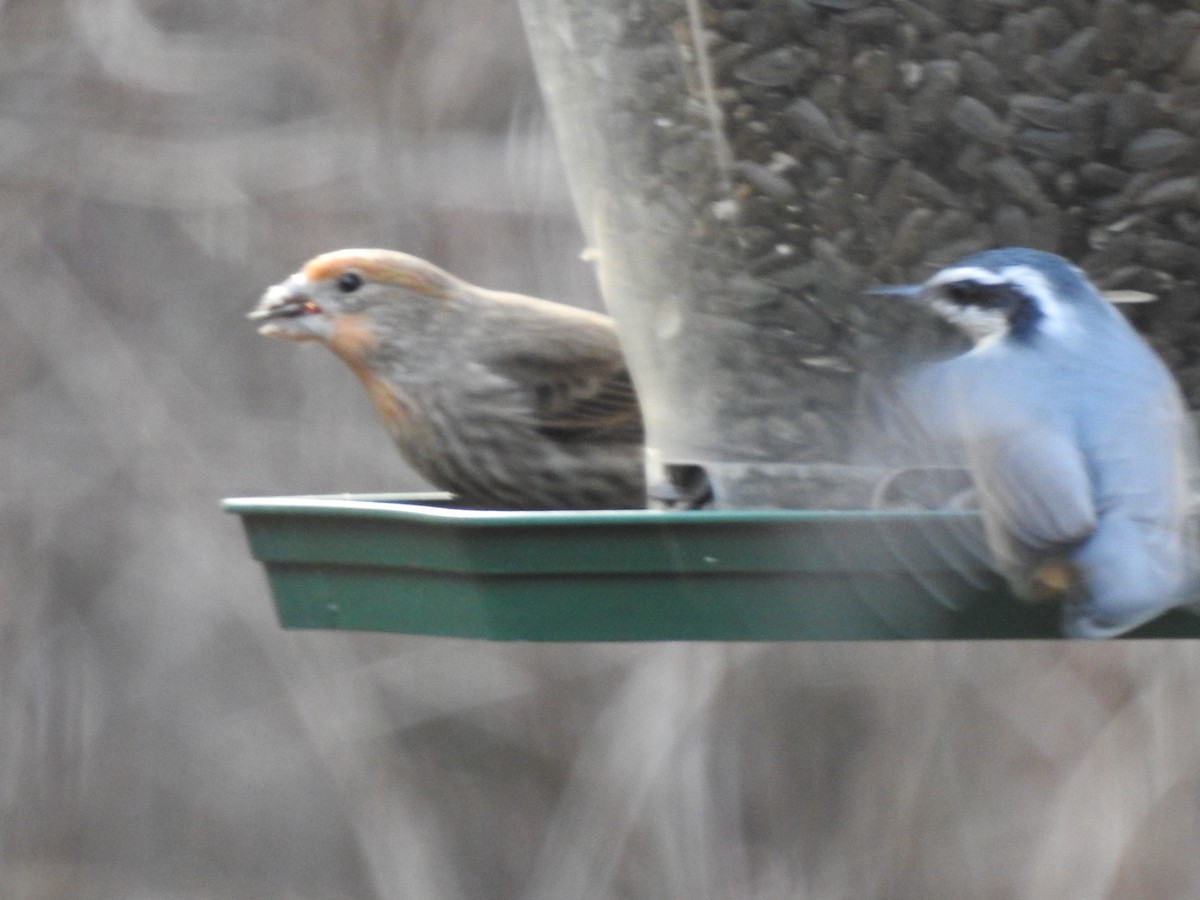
404 563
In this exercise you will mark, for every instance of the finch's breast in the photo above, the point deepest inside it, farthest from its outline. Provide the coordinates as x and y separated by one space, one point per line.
354 340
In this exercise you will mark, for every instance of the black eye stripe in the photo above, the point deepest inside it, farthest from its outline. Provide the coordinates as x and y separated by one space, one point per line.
349 282
1020 309
972 293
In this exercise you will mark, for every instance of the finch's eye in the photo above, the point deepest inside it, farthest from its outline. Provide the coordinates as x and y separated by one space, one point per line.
349 282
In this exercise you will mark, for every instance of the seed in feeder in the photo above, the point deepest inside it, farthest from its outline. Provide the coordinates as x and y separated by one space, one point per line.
1059 146
811 123
1114 26
977 120
1172 192
1042 111
1156 148
1019 182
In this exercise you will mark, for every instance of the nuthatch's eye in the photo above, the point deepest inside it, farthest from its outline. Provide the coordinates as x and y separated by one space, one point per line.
349 282
963 292
984 296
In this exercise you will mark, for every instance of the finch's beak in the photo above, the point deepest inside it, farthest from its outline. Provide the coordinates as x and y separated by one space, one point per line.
286 311
282 301
909 291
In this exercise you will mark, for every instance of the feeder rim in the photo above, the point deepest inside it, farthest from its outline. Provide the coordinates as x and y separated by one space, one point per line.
413 507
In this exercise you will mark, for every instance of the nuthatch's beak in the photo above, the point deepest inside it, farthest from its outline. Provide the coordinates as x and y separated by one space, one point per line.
896 290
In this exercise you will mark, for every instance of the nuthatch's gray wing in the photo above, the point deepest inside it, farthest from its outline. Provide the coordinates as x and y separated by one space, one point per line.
1035 497
1032 482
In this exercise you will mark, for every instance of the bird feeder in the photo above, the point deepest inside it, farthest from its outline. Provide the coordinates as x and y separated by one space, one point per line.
745 168
415 565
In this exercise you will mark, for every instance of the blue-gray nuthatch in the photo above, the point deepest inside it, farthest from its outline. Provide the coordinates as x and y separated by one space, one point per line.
1074 432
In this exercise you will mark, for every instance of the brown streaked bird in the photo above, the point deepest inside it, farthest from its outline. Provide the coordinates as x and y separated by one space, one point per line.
507 401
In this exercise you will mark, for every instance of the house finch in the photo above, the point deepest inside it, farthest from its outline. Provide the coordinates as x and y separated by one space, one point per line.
507 401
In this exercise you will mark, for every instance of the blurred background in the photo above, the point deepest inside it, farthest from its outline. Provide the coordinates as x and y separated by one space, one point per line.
161 162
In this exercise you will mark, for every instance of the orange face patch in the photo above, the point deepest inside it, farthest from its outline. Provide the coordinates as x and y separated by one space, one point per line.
353 340
382 267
